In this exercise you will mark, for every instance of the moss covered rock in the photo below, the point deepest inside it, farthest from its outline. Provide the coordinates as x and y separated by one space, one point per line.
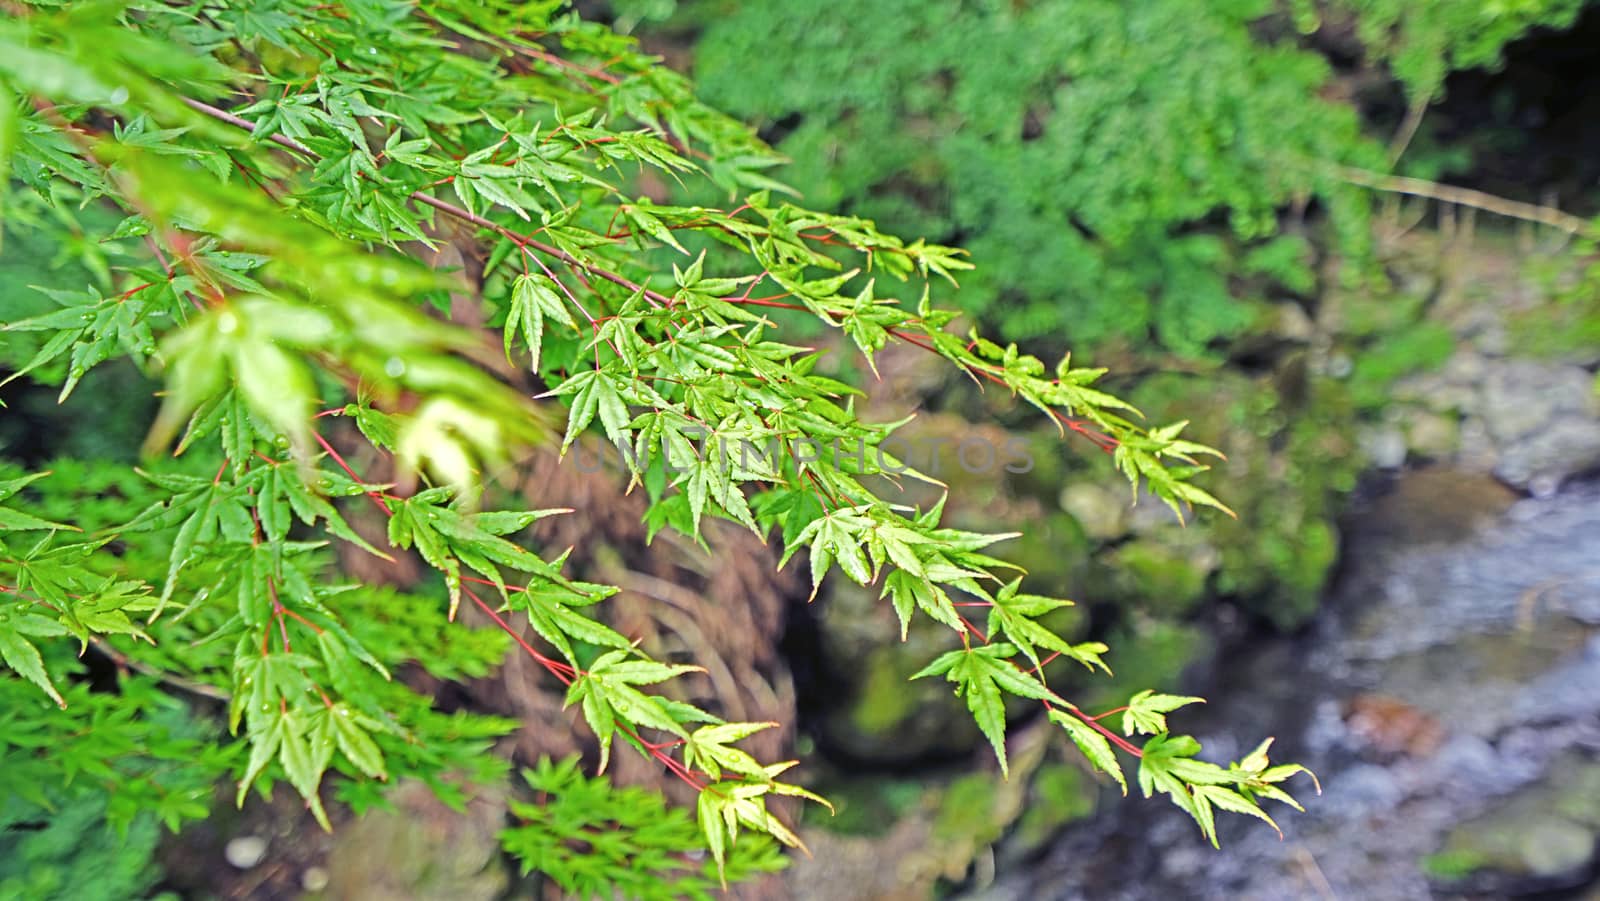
1544 838
877 714
1290 460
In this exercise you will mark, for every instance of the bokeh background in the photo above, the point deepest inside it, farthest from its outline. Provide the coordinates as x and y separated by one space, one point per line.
1284 220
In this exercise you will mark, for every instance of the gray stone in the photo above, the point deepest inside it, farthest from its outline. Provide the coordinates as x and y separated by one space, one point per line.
1544 420
1339 366
1292 323
1431 435
1101 509
314 879
421 849
1364 789
245 851
1464 368
1474 448
1557 847
1385 447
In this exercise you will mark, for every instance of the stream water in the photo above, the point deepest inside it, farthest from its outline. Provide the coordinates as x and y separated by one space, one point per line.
1448 697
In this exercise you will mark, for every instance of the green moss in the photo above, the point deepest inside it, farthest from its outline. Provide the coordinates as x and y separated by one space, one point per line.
966 812
1316 550
1054 551
1451 866
1418 348
885 699
1290 463
866 806
1571 325
1061 794
1168 580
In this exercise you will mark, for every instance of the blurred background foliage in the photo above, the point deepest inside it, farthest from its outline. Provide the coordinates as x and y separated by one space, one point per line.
1170 189
1161 186
1079 150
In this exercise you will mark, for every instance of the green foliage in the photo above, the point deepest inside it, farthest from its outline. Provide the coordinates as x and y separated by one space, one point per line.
1423 42
63 835
1119 170
71 853
598 841
264 257
1075 148
1170 766
1419 348
161 762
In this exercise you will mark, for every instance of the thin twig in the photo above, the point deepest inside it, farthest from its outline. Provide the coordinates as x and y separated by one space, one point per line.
179 682
223 115
1467 197
1408 129
1314 874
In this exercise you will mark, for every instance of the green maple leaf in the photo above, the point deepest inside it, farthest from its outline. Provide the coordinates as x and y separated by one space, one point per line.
980 674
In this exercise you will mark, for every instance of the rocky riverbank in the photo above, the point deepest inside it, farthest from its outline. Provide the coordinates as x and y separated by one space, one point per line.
1448 701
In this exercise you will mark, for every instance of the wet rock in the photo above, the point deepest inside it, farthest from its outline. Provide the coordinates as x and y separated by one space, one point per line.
895 867
1568 690
420 849
1392 726
1471 762
1101 509
1541 839
1428 506
1365 789
878 714
1544 419
1460 605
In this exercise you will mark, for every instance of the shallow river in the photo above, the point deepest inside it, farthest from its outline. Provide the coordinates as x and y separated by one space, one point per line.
1449 699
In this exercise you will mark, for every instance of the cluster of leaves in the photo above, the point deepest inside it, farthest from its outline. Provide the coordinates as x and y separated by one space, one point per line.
161 760
1090 154
277 174
596 841
1079 156
72 852
81 816
1424 42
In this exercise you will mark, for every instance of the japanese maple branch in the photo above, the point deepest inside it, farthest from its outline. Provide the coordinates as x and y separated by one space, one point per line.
562 671
1105 442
